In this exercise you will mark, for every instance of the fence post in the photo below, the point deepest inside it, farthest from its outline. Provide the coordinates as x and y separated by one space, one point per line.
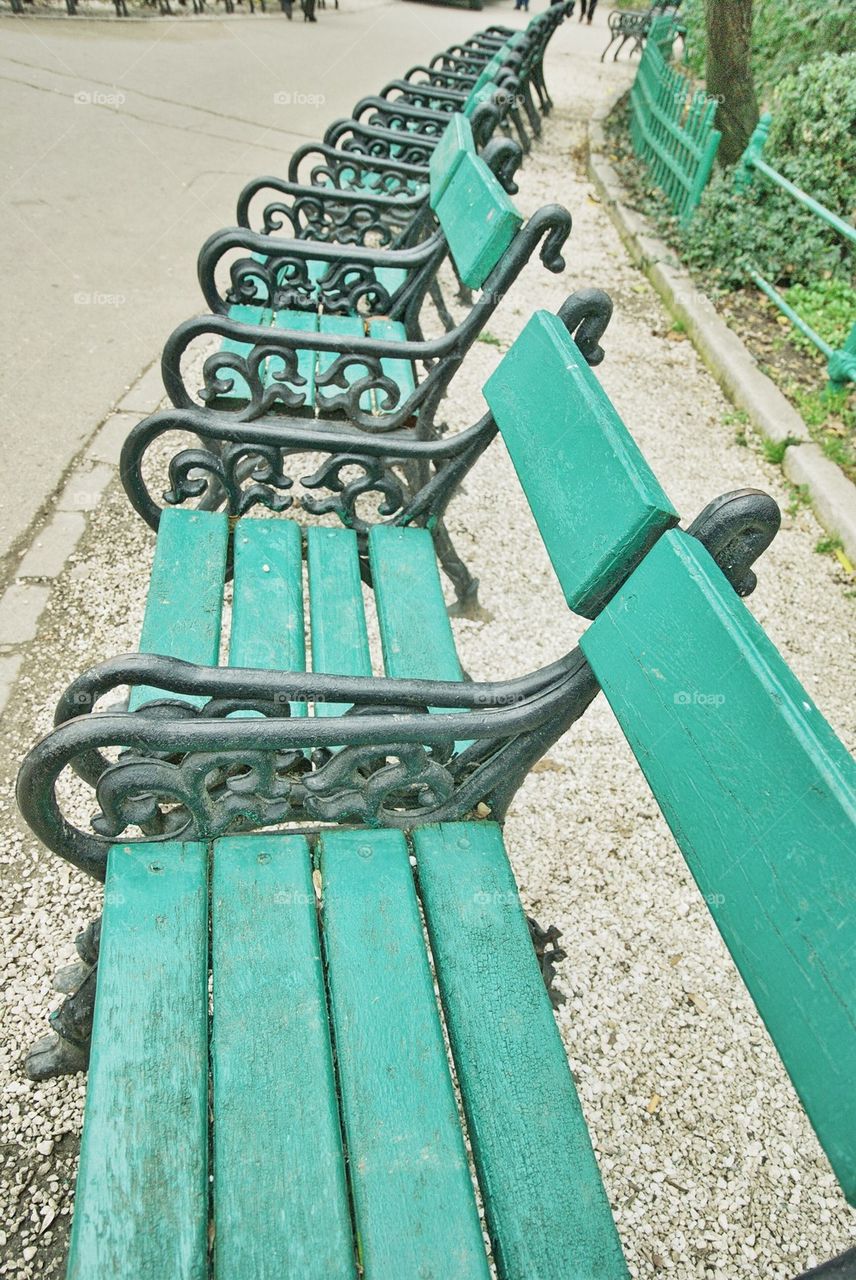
743 169
842 364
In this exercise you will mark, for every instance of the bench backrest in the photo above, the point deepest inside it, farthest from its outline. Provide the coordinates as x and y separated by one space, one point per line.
490 70
484 93
598 505
758 791
478 220
456 142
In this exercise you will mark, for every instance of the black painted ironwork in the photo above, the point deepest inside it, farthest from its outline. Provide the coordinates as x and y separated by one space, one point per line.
194 772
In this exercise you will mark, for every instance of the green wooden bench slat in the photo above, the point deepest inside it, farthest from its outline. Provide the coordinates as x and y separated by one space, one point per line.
267 608
243 313
478 219
392 278
142 1191
347 327
476 97
457 141
546 1206
300 322
340 642
280 1196
490 70
185 600
414 1205
761 797
399 371
416 634
597 503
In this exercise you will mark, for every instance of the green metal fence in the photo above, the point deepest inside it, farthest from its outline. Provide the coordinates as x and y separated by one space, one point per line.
842 363
671 125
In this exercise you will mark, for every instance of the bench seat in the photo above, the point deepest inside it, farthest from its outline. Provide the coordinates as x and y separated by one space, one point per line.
322 990
337 1148
311 362
185 607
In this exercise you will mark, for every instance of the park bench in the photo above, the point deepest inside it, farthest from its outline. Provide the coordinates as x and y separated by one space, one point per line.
337 1147
359 305
323 331
635 24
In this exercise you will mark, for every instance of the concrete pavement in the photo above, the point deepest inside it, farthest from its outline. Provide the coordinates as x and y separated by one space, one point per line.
125 145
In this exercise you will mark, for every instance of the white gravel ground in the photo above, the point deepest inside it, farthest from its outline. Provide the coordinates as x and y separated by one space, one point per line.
710 1165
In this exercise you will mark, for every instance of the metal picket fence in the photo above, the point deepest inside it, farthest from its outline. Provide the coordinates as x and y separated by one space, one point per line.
841 363
671 125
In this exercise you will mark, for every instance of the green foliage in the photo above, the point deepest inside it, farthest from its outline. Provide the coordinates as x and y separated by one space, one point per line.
786 34
829 306
812 141
775 450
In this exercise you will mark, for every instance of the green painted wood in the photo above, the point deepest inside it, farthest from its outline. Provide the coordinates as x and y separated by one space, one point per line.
490 70
280 1197
761 797
414 1207
347 327
267 604
141 1207
297 322
456 142
340 642
185 600
392 278
400 371
597 503
478 219
477 96
416 634
546 1206
243 313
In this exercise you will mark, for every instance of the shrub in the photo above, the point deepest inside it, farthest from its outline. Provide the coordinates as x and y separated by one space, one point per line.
812 141
786 34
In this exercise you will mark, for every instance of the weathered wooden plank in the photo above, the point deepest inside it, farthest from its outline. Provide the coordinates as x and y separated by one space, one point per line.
478 219
416 634
415 1211
457 141
141 1207
185 600
298 322
546 1206
267 609
761 797
243 313
340 642
346 327
280 1196
399 371
597 503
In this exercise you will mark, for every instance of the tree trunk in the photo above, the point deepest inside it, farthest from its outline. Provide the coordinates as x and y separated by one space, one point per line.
729 73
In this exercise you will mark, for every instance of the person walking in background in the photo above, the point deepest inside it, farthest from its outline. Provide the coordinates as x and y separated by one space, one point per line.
522 4
587 8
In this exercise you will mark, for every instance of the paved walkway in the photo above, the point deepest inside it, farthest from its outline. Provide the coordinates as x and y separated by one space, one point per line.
124 145
712 1170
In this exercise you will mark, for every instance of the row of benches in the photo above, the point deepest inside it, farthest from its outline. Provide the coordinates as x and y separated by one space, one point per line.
322 1041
